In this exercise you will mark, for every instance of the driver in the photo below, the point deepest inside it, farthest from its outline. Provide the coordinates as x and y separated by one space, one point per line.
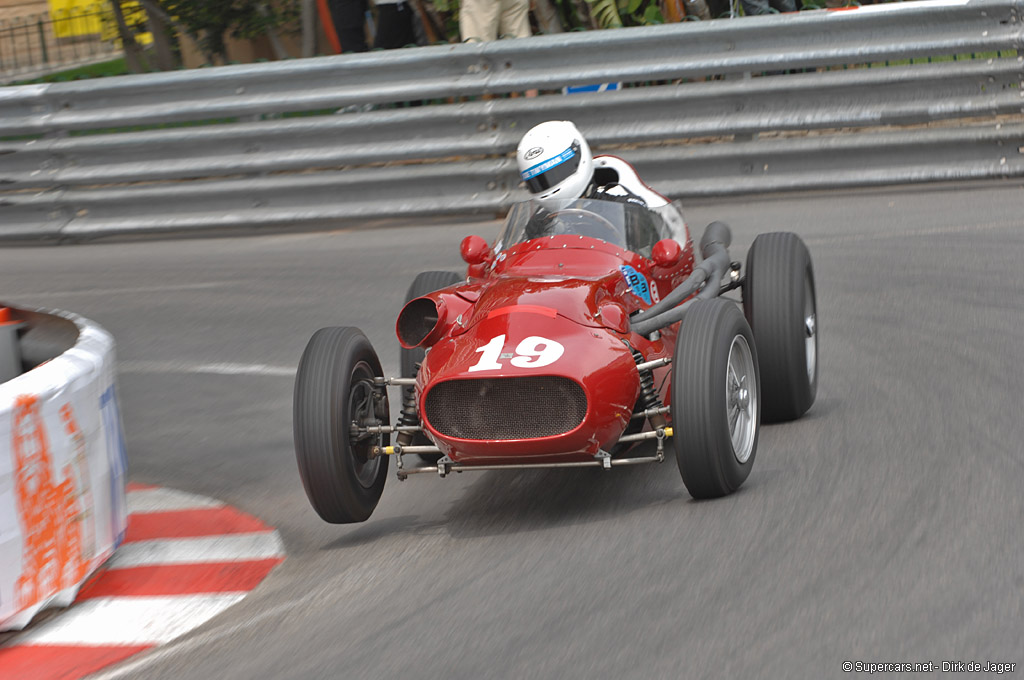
556 165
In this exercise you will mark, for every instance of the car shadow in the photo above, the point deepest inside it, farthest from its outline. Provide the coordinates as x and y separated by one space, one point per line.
510 502
504 503
387 527
821 408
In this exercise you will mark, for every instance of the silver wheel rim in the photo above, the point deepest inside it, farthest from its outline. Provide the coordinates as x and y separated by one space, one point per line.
810 330
741 398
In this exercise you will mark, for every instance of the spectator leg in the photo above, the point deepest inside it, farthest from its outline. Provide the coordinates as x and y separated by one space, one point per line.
349 17
515 19
394 26
478 20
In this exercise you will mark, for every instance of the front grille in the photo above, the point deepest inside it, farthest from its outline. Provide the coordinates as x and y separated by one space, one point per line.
505 408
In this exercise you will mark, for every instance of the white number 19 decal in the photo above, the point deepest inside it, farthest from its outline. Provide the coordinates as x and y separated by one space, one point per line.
533 352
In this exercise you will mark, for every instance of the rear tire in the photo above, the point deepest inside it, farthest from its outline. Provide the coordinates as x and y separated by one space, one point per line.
715 399
333 388
424 283
780 303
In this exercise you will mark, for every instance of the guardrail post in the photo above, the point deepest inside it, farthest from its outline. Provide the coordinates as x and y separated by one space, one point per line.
10 352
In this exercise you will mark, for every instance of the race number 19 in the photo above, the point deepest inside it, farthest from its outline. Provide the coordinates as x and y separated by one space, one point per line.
533 352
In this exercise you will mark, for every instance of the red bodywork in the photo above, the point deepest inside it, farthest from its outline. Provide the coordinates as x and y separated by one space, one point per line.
565 288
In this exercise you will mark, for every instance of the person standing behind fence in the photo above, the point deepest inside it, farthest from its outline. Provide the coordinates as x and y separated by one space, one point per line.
394 25
349 19
483 20
752 7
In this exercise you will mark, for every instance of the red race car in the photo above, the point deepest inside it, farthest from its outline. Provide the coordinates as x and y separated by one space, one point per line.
585 330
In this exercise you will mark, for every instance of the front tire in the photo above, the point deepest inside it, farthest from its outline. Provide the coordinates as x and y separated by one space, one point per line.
780 303
333 389
715 399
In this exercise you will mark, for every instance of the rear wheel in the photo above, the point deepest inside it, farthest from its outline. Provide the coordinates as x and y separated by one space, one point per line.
334 394
780 303
410 359
715 399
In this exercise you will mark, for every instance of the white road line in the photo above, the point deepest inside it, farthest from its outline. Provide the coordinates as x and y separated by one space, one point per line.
224 548
210 368
118 291
167 500
130 620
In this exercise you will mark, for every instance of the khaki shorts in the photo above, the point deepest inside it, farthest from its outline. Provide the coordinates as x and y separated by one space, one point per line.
481 20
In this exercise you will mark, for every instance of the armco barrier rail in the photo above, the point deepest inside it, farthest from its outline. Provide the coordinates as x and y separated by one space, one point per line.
916 91
62 464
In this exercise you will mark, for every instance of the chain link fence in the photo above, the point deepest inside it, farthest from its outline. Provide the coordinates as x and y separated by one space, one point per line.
37 44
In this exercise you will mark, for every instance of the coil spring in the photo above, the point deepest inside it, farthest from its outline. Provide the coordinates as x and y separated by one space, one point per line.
648 395
409 415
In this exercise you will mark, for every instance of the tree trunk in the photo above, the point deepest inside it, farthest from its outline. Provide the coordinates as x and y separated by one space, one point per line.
275 43
547 17
430 30
436 23
585 15
308 28
160 31
153 8
132 53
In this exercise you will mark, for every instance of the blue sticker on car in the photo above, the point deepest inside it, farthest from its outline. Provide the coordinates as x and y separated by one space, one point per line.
636 282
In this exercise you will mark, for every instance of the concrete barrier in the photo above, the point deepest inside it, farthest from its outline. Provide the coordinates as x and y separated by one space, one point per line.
62 463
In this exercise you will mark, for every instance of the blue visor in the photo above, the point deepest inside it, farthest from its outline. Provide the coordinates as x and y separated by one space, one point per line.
554 170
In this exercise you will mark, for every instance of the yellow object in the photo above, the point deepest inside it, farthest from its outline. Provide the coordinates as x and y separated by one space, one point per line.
73 18
76 18
668 431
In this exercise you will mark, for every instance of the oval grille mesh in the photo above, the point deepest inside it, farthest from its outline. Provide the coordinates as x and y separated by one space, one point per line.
505 408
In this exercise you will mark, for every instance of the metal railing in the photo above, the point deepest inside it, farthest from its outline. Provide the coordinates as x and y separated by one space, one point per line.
921 91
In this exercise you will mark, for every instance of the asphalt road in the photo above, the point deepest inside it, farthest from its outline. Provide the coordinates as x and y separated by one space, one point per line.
885 526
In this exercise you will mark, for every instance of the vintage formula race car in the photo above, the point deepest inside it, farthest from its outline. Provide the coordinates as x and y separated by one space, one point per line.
585 330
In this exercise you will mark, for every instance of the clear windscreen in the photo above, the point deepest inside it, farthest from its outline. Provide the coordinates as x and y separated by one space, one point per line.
625 225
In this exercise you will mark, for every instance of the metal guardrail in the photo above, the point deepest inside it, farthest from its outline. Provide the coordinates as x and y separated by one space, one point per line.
781 94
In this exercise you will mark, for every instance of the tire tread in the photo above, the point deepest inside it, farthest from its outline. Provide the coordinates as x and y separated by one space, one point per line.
701 437
777 264
320 436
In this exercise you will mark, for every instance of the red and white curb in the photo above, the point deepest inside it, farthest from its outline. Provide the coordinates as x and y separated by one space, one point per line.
185 559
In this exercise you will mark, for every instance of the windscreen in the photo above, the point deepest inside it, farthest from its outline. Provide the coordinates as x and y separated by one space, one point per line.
625 225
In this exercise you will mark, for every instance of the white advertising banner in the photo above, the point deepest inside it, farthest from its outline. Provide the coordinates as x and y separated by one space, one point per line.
62 476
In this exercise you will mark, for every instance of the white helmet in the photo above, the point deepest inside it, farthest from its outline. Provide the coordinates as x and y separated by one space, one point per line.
555 161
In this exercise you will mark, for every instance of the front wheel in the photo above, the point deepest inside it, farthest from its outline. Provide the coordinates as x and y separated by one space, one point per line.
335 395
716 406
